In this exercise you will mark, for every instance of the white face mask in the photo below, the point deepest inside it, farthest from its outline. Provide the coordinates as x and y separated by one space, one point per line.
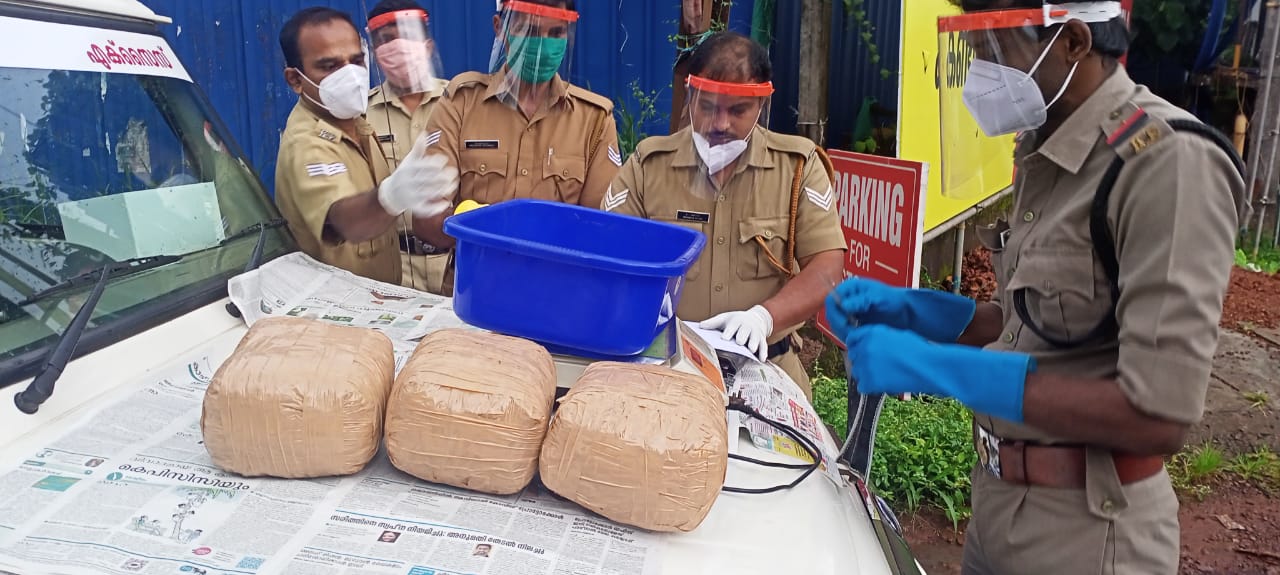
1005 100
718 157
344 93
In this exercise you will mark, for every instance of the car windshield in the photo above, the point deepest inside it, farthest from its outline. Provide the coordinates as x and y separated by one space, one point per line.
102 166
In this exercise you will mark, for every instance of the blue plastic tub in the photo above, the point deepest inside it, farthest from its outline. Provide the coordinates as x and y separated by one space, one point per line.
569 277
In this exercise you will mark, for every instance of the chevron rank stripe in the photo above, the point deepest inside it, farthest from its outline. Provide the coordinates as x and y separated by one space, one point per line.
823 201
612 200
615 156
317 170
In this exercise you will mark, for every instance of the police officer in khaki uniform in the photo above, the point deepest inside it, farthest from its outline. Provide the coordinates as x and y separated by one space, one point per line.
1112 275
767 265
523 131
398 112
332 182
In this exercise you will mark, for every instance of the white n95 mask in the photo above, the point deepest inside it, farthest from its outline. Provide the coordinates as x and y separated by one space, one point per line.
1006 100
344 93
719 156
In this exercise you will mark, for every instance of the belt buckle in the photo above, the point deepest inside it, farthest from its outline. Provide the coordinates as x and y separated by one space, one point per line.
989 451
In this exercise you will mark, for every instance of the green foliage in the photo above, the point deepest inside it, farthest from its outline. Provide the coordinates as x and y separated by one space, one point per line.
1267 260
1172 29
867 146
1195 470
631 122
856 13
830 400
1262 466
923 449
924 454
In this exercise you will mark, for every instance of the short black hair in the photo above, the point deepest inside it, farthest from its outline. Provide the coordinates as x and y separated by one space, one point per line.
306 17
731 57
388 6
1110 38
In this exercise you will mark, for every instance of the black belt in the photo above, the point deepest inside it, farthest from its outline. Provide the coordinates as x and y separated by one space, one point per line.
414 246
783 346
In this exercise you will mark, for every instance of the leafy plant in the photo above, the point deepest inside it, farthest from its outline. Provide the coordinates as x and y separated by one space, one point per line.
867 146
1257 399
924 454
1193 469
631 123
830 400
1260 466
923 449
1172 29
856 13
1267 261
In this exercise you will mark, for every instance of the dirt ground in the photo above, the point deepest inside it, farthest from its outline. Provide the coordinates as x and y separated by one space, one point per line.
1236 527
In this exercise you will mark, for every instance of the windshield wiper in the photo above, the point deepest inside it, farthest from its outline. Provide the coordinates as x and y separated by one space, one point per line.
114 269
255 259
40 388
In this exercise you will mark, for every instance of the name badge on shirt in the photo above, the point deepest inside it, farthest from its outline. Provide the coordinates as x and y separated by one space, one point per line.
386 138
481 144
699 217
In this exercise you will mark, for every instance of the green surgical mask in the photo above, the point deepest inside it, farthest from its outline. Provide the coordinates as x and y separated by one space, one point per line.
535 58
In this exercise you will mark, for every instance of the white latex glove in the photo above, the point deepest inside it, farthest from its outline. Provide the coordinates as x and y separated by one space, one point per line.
750 329
423 183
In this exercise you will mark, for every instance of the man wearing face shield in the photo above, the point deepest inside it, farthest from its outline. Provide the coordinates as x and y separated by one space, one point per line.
1112 274
398 112
523 131
333 184
764 200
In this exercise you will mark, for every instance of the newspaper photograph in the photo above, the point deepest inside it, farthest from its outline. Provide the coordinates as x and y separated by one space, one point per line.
129 489
769 389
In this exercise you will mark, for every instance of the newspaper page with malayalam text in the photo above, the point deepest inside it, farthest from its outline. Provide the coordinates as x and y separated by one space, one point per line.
128 488
768 389
298 286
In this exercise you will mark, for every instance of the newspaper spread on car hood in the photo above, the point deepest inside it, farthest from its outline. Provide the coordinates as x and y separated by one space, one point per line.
129 488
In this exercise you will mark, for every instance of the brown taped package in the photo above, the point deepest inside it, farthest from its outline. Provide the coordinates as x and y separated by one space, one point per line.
470 409
646 446
299 398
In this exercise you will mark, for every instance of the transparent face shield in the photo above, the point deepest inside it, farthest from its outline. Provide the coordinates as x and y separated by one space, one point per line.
988 90
535 44
723 117
405 53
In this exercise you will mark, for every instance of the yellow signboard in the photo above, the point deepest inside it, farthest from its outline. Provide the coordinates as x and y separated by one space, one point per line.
972 167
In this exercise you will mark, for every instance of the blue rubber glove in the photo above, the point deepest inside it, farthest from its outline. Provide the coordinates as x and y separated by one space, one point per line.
937 315
894 361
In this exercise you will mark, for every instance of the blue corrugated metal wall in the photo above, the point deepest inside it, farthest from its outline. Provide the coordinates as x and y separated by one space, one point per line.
231 49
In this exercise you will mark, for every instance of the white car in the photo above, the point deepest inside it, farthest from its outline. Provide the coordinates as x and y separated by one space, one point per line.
124 213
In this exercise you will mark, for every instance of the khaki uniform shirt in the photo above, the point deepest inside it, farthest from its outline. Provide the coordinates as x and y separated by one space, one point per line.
396 128
665 180
317 166
502 155
1173 214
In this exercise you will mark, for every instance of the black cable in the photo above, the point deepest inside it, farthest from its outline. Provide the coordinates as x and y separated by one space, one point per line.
740 405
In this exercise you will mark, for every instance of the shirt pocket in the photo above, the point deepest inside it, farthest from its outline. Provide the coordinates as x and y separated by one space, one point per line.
696 269
483 173
993 238
753 261
1060 291
563 177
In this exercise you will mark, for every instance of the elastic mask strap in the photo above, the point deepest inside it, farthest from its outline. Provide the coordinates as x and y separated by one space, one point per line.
1039 60
309 98
1065 83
